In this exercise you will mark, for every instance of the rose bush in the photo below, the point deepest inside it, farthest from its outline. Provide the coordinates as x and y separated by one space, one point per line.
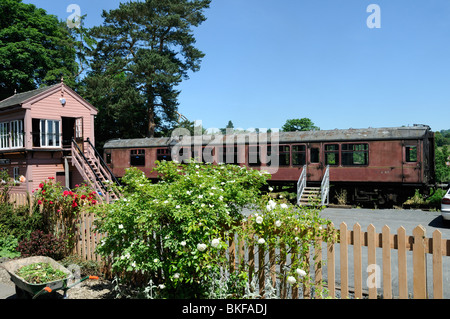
170 238
280 225
175 233
60 208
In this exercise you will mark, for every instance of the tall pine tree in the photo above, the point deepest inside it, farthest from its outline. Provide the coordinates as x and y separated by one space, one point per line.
144 50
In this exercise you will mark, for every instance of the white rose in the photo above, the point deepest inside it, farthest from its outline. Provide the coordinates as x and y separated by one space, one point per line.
259 220
183 243
291 280
215 242
261 241
301 272
176 276
278 223
284 206
201 247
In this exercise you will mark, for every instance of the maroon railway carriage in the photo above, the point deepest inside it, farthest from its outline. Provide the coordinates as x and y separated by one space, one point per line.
375 164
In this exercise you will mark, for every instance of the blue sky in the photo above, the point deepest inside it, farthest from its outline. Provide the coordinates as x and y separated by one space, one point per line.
268 61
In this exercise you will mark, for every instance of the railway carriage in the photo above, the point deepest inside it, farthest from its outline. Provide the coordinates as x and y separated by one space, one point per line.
382 165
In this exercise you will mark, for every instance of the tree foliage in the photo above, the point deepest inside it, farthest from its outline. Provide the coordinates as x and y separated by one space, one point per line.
145 49
303 124
35 49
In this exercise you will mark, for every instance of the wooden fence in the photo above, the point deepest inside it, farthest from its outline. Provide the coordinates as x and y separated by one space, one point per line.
255 258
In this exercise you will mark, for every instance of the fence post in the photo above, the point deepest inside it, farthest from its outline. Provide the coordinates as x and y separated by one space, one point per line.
372 259
402 267
437 265
386 244
357 259
343 250
419 264
331 268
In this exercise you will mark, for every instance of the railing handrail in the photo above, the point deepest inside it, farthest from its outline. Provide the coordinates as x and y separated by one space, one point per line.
301 184
103 162
90 166
325 186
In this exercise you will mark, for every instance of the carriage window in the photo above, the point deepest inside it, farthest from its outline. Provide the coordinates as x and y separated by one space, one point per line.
314 155
283 154
108 158
228 155
208 155
355 154
411 154
332 154
254 156
163 154
137 157
298 155
285 158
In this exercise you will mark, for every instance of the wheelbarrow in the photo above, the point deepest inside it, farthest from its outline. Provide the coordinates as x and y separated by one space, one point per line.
28 290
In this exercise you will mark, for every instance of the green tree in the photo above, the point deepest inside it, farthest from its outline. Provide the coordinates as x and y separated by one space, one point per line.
35 49
146 47
304 124
442 169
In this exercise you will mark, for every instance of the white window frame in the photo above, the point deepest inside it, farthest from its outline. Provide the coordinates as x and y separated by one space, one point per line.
11 134
54 136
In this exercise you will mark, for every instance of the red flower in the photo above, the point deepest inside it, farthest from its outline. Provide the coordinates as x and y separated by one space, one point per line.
74 204
94 202
66 193
83 196
51 178
39 202
51 202
41 185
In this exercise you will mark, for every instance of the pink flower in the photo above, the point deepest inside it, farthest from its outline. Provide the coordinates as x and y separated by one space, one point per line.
39 202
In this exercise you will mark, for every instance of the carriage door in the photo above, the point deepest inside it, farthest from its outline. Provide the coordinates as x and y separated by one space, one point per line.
78 132
412 162
315 165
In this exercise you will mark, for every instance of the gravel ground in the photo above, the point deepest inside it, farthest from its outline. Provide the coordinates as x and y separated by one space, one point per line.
89 289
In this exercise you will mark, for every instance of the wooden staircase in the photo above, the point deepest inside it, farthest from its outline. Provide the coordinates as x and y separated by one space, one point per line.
310 197
313 196
95 171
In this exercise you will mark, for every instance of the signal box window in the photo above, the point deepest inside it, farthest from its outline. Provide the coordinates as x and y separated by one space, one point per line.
163 154
355 154
411 154
315 155
137 157
332 154
298 155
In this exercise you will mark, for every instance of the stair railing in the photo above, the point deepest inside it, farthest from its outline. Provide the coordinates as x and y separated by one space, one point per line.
325 187
301 184
103 166
77 154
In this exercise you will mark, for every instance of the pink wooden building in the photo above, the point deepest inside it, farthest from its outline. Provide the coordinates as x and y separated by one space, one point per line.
49 132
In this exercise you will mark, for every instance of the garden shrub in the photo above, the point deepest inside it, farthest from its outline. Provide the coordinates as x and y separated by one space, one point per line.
42 244
175 232
60 208
8 246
